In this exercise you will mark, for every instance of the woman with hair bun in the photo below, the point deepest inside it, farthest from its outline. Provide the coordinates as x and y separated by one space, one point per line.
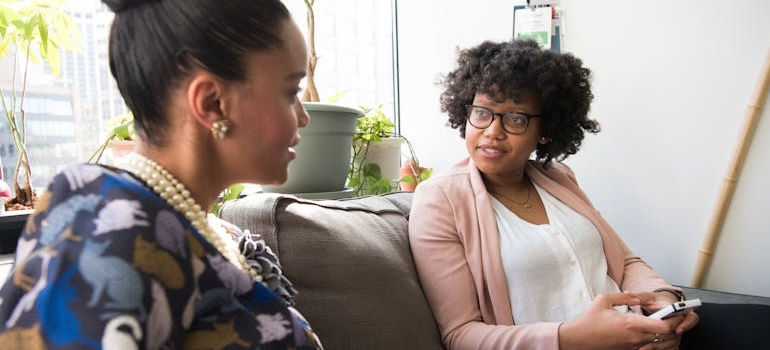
126 256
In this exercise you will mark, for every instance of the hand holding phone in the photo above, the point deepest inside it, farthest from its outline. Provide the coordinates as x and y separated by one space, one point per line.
675 308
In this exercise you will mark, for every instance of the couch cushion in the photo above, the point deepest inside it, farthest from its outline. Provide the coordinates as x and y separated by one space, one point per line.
351 262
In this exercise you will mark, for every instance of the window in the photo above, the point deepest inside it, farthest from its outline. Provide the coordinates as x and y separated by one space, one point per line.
66 115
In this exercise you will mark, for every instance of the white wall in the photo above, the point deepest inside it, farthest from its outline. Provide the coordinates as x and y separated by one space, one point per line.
672 82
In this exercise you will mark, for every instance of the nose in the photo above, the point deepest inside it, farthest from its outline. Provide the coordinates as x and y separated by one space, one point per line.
303 119
496 128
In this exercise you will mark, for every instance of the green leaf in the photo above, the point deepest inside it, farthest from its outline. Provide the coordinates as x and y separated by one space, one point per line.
336 97
123 131
121 127
373 125
42 28
229 194
372 170
233 192
425 174
408 179
382 186
354 182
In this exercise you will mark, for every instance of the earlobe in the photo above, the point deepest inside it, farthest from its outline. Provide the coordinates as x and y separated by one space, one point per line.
544 140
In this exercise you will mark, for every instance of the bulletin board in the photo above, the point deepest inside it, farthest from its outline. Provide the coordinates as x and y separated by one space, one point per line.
542 21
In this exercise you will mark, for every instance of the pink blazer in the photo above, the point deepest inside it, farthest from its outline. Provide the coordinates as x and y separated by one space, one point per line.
455 244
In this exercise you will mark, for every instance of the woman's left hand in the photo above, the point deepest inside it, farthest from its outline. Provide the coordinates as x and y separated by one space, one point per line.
681 323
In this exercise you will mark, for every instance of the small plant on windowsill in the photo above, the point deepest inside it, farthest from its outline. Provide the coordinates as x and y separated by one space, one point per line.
366 177
411 173
121 128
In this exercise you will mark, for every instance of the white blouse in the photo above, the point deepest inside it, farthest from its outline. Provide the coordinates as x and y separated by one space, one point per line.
553 270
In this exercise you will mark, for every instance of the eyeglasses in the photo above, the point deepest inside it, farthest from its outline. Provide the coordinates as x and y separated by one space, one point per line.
513 123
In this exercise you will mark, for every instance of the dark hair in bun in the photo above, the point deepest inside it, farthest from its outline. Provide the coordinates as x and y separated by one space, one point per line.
155 44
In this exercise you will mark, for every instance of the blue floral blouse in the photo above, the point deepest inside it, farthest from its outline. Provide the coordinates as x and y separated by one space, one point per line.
105 263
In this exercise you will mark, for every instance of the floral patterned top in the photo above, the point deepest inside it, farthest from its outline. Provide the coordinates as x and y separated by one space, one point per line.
105 263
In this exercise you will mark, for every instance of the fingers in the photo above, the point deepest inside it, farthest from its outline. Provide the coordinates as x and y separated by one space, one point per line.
647 297
654 301
612 300
670 340
691 319
683 322
661 342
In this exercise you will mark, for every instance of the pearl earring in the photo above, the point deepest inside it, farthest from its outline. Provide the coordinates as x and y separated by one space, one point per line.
220 127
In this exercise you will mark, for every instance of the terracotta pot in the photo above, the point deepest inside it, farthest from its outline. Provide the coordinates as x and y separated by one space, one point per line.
120 148
413 169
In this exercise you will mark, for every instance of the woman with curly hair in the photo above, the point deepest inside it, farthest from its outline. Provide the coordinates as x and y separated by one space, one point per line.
509 250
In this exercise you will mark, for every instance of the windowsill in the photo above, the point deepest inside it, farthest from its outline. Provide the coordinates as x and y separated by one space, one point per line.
11 224
6 263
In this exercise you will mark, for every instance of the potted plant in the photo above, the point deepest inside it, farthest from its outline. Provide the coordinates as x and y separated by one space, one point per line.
374 148
411 173
32 31
375 166
323 155
120 138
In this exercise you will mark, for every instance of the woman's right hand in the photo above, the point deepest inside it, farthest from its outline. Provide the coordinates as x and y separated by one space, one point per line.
604 327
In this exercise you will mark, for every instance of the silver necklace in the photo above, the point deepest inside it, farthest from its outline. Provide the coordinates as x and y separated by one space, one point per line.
179 197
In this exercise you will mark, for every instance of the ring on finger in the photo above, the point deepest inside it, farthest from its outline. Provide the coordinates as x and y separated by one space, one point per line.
657 338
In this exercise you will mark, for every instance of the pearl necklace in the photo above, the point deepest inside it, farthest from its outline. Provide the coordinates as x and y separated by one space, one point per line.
178 196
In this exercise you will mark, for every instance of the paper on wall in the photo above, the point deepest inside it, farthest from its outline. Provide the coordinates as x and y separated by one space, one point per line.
534 23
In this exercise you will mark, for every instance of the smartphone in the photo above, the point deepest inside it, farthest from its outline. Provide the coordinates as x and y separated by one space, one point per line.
675 308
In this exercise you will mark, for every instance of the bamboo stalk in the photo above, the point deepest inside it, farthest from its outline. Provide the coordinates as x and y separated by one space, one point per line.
753 112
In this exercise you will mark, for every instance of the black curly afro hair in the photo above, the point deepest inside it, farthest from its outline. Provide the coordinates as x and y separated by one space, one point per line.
503 70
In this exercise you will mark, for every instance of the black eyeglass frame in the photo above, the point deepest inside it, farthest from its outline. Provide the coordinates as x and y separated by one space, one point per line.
527 117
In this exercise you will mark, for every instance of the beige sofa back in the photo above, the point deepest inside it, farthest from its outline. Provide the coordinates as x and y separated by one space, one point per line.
351 262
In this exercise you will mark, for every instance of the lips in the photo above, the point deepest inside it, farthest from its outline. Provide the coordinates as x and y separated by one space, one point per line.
292 153
490 151
294 142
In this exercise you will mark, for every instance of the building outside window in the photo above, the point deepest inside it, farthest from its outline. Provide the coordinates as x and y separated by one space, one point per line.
66 115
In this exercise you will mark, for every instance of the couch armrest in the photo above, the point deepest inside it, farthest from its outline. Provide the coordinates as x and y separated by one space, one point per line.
719 297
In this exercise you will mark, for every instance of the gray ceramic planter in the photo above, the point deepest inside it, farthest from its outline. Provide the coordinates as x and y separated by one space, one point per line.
323 154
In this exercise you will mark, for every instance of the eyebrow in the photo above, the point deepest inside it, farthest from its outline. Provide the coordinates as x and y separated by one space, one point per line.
493 111
297 75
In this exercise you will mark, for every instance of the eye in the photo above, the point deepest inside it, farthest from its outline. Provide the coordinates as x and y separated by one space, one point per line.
515 120
481 113
295 93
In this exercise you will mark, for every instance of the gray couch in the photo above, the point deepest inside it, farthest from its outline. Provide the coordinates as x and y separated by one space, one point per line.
351 262
350 259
